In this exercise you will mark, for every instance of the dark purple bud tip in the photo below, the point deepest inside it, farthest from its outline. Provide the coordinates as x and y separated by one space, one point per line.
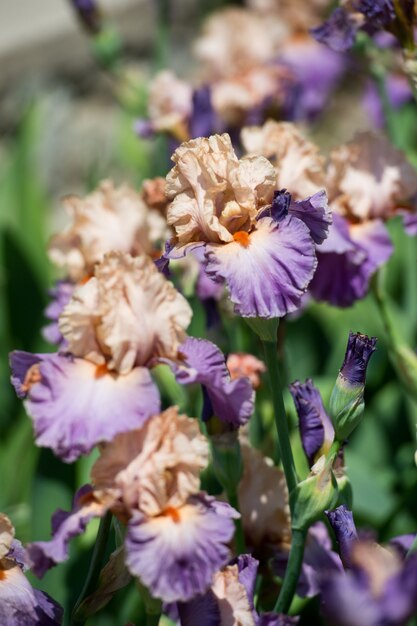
358 352
341 521
279 207
379 13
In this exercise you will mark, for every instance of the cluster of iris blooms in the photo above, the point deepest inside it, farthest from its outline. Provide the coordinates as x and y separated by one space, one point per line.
260 222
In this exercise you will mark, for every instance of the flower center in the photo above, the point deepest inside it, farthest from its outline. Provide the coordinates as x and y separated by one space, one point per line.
242 238
173 513
101 370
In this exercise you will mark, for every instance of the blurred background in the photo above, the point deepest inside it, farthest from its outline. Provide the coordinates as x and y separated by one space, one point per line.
61 131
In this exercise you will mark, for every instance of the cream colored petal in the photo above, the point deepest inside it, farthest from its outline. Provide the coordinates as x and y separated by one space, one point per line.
232 599
300 167
156 467
110 218
6 535
170 100
126 315
78 322
214 194
263 500
371 176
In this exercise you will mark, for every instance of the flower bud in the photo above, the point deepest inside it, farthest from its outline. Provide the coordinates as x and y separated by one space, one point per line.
341 521
346 402
315 494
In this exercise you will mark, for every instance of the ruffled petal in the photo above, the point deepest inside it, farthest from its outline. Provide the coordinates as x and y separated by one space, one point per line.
315 213
74 405
268 276
66 526
203 362
347 261
176 555
21 605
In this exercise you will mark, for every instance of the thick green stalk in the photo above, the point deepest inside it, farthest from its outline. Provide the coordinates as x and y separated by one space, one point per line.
280 415
292 573
95 567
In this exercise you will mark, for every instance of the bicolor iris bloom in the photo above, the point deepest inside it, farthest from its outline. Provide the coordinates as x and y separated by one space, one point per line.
177 537
117 326
20 603
229 213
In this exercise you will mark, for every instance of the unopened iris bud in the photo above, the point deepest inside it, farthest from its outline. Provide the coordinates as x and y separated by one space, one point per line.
317 493
346 402
341 521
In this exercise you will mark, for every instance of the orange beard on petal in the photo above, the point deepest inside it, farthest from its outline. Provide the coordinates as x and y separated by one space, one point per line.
101 370
242 238
173 513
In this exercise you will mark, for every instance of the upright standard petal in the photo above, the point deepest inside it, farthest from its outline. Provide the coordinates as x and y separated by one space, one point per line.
268 271
203 362
75 404
125 315
175 555
155 467
110 218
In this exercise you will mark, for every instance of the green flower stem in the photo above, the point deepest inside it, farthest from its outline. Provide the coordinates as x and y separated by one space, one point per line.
384 312
239 534
95 567
292 573
280 415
